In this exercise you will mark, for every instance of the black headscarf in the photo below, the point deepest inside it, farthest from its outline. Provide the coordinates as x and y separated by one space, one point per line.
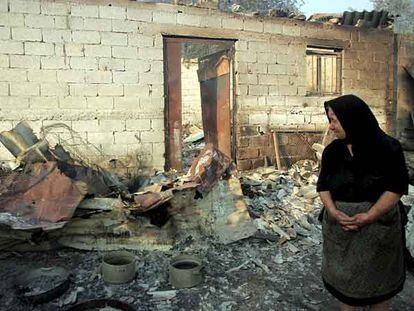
359 123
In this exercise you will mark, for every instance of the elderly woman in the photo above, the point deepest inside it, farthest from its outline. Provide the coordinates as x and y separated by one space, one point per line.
362 178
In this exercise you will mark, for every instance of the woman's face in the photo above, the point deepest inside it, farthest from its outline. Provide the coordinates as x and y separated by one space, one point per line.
334 125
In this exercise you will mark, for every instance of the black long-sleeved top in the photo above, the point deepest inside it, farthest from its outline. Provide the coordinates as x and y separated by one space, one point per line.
365 175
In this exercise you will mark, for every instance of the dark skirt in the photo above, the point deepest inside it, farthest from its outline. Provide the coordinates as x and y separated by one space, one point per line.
367 266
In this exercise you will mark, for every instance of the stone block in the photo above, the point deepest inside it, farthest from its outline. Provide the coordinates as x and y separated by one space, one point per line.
259 141
138 125
24 61
97 24
265 79
11 47
71 76
112 38
24 89
21 6
160 17
26 34
99 77
125 26
126 103
110 90
247 153
39 21
140 40
14 102
54 89
42 76
244 165
86 126
137 65
158 124
57 35
257 68
131 137
212 21
53 62
288 90
151 78
13 75
38 48
86 63
4 7
124 52
136 90
50 8
86 37
247 56
4 88
250 79
125 77
75 23
151 53
73 49
258 90
72 102
152 136
139 15
101 138
273 28
112 12
293 31
97 51
232 23
61 22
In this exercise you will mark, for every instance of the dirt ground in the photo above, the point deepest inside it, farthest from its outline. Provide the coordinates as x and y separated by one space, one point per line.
248 275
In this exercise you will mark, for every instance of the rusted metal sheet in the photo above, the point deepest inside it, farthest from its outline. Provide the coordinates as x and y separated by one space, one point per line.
148 201
41 194
209 167
214 77
172 52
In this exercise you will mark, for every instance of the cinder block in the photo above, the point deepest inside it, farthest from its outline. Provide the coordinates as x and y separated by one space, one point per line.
84 10
112 12
248 56
277 69
125 77
38 48
11 20
140 40
268 79
295 118
137 65
244 165
286 59
247 101
101 138
112 125
24 89
254 68
111 38
86 37
278 118
4 7
97 24
128 103
127 138
72 102
288 90
75 23
76 76
271 27
266 58
157 124
86 126
138 125
151 53
114 150
232 23
20 6
57 36
160 17
139 15
50 8
158 149
151 78
274 89
13 75
125 52
100 103
99 77
39 21
253 25
152 136
110 90
188 20
293 31
5 33
247 79
111 64
247 153
48 103
124 26
11 47
41 76
26 34
53 63
83 90
54 89
14 102
137 90
87 63
97 51
72 49
4 89
258 90
24 61
61 22
258 118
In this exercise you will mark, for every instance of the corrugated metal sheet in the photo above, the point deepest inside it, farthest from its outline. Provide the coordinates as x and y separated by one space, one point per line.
373 19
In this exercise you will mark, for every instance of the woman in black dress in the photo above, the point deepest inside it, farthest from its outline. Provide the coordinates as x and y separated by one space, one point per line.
363 175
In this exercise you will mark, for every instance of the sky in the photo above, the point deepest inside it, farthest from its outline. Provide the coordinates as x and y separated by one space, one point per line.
337 6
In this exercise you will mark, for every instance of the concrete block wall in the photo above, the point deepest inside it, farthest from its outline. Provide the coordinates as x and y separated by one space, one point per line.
97 66
190 93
